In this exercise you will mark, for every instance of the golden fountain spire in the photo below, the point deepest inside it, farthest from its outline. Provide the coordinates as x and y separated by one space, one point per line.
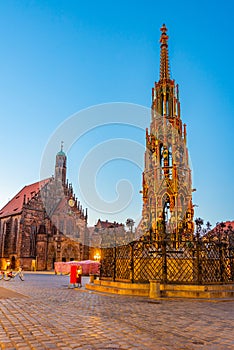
164 58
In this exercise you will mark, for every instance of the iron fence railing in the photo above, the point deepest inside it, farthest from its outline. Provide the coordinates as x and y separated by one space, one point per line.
199 261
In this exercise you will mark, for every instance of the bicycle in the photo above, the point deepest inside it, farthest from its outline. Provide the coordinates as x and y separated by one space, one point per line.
9 275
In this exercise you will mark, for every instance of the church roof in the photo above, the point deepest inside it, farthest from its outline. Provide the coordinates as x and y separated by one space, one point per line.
61 153
15 205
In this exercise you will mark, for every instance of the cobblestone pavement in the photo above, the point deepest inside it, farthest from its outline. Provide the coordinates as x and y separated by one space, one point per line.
53 316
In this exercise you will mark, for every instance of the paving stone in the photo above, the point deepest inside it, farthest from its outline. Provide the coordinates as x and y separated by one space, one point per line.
52 316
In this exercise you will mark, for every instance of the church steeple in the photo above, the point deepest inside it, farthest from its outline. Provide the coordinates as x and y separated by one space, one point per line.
60 166
164 57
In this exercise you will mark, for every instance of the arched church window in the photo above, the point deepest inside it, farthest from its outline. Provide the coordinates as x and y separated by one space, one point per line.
60 162
3 228
54 230
70 227
42 229
33 240
7 238
61 226
77 234
15 236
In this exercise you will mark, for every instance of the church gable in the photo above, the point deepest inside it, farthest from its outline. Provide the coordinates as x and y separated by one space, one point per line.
15 205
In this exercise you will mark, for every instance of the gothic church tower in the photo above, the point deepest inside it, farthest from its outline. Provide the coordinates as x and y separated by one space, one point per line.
167 187
60 166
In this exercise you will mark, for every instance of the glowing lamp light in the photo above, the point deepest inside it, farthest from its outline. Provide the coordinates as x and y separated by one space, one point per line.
97 257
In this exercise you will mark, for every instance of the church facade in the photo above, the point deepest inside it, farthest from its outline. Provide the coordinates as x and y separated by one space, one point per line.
167 187
44 223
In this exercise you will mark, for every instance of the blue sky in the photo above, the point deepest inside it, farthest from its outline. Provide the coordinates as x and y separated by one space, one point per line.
59 57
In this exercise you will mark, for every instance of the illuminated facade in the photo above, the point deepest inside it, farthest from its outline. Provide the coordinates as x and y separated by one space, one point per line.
43 223
167 186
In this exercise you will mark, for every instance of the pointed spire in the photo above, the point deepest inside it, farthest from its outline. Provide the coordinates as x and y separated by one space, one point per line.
164 57
62 146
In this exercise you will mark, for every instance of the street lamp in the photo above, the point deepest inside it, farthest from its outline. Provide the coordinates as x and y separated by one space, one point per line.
8 263
97 257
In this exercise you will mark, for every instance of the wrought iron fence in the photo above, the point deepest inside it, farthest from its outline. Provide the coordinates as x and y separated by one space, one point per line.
199 261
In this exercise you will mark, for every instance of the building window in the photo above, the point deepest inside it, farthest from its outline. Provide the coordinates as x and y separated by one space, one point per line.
70 228
33 240
7 238
54 230
42 229
61 226
15 236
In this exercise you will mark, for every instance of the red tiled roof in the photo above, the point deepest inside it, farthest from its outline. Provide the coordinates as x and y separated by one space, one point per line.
230 223
15 205
227 224
220 230
107 224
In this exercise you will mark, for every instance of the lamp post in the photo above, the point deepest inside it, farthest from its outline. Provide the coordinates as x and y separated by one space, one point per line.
199 223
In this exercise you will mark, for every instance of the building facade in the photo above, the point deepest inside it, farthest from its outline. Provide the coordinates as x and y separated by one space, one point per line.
44 223
167 186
